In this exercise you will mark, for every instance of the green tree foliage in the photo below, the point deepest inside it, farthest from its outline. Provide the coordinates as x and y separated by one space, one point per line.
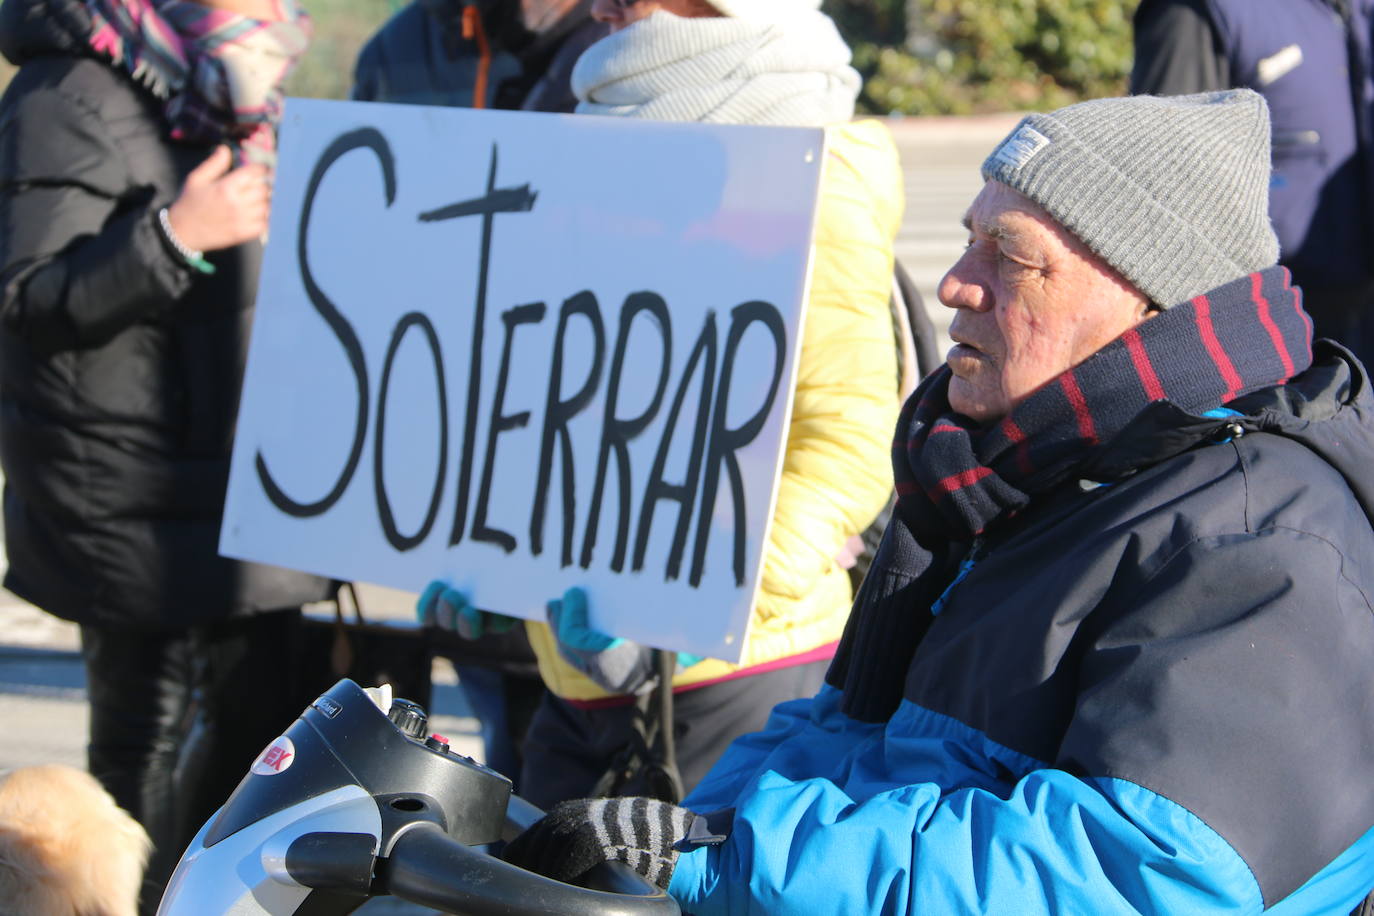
967 56
341 27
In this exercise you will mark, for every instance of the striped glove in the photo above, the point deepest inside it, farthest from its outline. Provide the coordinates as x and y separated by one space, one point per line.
576 835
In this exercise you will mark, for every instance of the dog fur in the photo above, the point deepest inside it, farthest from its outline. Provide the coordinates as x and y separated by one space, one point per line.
66 849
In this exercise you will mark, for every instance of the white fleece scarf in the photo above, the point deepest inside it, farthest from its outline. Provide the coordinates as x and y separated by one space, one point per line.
726 71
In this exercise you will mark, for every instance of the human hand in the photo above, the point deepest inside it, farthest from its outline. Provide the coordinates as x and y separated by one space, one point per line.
616 665
569 619
447 608
850 551
220 206
579 834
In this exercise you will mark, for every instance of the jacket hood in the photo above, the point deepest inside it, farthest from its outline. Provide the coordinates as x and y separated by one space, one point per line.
1328 409
31 28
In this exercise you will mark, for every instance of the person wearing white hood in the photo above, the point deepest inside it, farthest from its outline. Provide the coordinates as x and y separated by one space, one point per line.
731 62
773 62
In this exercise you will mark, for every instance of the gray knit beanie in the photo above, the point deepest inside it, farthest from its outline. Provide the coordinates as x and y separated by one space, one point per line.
1172 192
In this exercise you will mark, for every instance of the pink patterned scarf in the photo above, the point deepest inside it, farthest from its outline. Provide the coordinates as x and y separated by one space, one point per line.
220 73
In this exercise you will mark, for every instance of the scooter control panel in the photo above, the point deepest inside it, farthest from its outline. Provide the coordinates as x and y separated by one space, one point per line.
347 738
409 717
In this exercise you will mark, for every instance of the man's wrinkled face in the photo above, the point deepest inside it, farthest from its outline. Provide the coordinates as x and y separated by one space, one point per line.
1031 300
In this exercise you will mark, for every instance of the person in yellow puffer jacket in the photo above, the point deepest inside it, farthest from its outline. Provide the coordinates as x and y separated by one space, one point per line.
835 476
772 62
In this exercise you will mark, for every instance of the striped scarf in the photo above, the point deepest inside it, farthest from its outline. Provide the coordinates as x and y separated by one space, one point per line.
219 73
954 479
957 481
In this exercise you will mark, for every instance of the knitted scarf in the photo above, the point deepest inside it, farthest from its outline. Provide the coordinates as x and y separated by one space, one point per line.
219 73
957 481
726 71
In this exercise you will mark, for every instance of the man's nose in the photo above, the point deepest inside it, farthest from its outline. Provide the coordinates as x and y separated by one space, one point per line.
963 288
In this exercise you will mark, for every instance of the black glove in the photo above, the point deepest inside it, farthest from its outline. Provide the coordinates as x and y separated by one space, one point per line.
576 835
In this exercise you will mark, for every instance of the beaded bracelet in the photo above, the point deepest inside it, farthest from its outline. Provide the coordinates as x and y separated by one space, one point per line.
195 258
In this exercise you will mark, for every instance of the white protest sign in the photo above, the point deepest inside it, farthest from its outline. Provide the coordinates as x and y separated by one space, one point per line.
524 352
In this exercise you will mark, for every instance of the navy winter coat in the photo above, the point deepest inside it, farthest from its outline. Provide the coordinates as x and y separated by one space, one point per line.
1313 62
425 55
1149 696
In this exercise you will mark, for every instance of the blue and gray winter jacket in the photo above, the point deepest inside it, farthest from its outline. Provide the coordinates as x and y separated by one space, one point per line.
1153 696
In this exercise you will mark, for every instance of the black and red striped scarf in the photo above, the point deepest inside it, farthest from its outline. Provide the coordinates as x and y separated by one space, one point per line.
957 480
954 479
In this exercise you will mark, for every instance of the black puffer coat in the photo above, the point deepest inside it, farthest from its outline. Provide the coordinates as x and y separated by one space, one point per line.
119 365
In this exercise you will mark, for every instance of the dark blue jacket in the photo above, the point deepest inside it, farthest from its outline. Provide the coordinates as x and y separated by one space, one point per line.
1154 695
422 56
1313 66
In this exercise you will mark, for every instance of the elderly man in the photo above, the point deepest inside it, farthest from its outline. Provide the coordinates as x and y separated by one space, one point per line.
1116 654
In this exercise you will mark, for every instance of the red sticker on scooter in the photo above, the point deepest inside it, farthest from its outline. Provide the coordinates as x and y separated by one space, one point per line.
279 755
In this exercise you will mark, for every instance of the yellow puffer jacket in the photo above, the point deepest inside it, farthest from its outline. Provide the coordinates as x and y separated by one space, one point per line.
836 473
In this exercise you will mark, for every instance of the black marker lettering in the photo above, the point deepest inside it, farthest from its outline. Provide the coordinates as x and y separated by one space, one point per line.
656 489
556 416
724 442
388 519
502 200
372 139
481 531
616 433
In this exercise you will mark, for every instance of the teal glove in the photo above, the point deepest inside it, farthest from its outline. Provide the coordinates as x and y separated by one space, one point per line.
569 621
687 659
616 665
449 609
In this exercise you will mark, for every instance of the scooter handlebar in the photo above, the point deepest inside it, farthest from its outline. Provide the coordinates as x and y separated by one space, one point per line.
520 816
427 867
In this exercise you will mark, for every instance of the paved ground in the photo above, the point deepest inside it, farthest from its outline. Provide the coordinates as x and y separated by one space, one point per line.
42 691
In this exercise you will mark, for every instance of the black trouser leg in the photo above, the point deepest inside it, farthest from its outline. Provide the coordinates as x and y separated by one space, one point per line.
249 691
139 689
235 679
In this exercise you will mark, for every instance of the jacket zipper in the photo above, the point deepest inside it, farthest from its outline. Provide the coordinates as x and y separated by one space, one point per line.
975 553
